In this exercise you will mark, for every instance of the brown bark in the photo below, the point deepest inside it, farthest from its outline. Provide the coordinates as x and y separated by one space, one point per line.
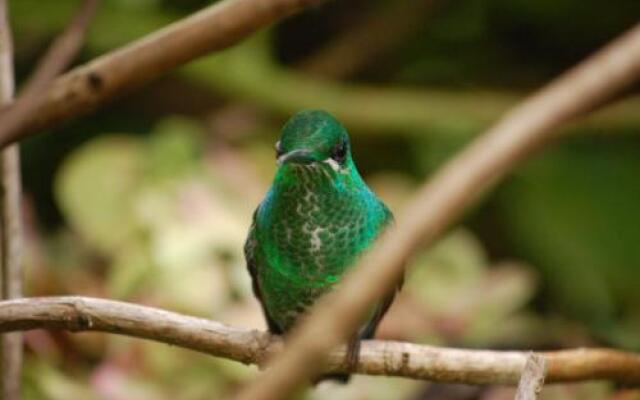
10 221
532 378
475 367
86 87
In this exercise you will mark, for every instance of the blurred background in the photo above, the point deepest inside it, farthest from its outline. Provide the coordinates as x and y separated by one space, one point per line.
149 199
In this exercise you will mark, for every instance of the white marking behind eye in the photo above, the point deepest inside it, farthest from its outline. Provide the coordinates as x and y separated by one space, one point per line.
333 163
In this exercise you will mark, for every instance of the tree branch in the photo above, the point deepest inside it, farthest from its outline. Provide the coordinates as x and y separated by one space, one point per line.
440 201
62 51
10 221
377 32
532 378
476 367
53 63
11 263
218 27
84 88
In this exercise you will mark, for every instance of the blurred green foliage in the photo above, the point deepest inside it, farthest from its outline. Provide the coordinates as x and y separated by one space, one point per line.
149 199
574 212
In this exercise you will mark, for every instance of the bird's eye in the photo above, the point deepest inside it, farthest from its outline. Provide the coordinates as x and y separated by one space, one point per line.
339 152
278 149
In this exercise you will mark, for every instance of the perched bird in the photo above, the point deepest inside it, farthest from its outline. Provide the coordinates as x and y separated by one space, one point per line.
317 218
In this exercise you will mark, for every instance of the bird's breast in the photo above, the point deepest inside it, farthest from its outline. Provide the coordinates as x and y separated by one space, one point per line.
313 236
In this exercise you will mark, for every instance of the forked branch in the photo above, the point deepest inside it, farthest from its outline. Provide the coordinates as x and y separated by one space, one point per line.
84 88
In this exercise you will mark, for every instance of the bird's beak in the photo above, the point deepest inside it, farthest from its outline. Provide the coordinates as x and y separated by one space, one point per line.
299 156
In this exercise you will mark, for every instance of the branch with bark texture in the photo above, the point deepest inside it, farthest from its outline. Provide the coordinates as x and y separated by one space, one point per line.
53 63
229 21
10 221
532 379
214 28
248 346
441 200
11 264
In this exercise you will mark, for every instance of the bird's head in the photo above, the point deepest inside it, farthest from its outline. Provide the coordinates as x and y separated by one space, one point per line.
314 138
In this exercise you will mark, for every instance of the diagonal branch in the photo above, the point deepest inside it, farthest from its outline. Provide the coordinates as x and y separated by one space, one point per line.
442 200
62 51
84 88
440 364
53 63
381 30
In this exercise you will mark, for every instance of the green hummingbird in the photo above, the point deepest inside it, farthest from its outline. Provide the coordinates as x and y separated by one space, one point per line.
315 221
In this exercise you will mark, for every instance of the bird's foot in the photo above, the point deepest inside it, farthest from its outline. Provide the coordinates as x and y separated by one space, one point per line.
351 362
353 353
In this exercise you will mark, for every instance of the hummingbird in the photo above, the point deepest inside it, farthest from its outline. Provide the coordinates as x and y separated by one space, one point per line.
316 220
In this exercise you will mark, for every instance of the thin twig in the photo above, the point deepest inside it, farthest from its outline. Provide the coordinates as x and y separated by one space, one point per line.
63 50
475 367
442 200
53 63
10 221
378 32
532 378
84 88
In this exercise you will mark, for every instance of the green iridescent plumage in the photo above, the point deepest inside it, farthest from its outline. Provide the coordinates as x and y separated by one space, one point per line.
314 222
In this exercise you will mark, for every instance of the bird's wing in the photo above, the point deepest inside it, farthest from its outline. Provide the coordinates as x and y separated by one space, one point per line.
369 330
252 256
389 220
